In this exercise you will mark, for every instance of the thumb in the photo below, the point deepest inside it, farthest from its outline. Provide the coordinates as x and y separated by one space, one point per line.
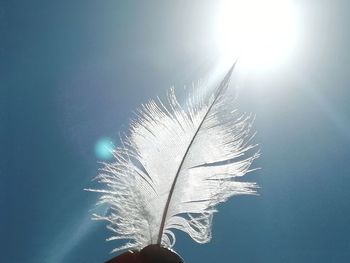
149 254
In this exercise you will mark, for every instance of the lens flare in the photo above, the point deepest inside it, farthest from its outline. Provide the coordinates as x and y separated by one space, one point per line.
104 148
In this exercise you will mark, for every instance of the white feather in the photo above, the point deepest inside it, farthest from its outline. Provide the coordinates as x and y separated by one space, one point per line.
175 166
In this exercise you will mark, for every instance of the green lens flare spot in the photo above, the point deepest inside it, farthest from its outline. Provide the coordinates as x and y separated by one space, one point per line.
104 149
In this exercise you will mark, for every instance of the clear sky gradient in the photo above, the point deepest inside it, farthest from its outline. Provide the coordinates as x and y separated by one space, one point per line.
72 73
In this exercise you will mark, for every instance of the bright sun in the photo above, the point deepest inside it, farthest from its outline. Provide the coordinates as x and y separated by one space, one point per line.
258 33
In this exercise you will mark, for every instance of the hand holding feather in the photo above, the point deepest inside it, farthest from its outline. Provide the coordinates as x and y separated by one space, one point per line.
175 166
149 254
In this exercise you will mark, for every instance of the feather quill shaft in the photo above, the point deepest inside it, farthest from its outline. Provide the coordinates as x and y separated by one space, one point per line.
222 86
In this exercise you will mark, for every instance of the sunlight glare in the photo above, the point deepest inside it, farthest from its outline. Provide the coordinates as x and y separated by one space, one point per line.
258 33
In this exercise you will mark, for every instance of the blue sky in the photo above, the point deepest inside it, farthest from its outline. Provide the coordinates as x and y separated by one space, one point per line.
72 72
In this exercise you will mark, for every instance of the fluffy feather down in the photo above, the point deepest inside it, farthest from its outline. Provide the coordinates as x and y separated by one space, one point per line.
174 167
